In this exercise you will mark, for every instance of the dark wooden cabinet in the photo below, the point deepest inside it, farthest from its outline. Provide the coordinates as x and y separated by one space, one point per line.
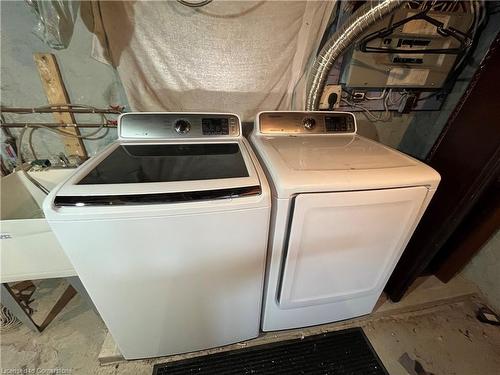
480 224
467 155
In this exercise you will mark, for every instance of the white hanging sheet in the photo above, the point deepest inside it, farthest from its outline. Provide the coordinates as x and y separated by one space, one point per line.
228 56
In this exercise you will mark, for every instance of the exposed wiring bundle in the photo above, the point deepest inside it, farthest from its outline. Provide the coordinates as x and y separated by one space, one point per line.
367 15
96 134
92 136
374 97
387 100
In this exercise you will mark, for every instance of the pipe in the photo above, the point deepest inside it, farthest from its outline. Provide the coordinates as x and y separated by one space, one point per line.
59 109
344 37
52 125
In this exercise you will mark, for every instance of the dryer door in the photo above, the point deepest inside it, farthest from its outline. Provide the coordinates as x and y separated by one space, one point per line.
345 245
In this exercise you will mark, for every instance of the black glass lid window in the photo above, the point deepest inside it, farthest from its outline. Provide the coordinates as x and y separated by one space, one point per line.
164 163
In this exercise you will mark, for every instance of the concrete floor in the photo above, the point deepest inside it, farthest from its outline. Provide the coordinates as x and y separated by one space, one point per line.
483 270
435 325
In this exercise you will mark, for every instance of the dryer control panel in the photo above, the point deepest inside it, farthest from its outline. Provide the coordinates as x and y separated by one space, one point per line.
166 125
318 122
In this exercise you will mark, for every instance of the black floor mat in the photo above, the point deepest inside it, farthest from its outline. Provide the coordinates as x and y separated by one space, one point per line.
341 352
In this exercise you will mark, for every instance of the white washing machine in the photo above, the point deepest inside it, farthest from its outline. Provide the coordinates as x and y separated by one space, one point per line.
167 228
344 208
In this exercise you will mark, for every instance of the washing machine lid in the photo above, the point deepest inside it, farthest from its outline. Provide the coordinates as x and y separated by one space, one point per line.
309 163
152 172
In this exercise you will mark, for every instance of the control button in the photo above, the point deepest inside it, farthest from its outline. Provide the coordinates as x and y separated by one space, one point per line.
182 126
309 123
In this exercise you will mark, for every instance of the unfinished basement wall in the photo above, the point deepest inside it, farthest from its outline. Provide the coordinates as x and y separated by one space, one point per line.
484 270
91 82
87 81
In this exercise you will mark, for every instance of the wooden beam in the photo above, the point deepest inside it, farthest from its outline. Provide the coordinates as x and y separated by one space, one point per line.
68 294
56 94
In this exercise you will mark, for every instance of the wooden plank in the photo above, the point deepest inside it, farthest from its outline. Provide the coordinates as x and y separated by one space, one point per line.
68 294
56 94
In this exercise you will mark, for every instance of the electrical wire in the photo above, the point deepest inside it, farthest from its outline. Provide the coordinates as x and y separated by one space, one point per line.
89 137
62 107
381 96
383 117
369 115
30 143
386 108
403 95
92 136
19 141
104 121
20 164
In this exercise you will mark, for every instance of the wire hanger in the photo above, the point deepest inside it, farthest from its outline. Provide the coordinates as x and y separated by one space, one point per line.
464 39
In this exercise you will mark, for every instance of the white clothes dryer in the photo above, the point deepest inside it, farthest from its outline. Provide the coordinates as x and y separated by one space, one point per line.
343 209
167 229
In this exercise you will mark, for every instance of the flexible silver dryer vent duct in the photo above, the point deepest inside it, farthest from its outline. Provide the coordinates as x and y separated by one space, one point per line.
349 32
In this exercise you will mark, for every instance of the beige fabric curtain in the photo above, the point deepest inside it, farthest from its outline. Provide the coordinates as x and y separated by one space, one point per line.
229 56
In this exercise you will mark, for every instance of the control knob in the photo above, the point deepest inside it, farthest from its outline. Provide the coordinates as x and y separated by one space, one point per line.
309 123
182 126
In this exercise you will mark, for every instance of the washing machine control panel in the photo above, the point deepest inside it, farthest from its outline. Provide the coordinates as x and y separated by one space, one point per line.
215 126
166 125
307 123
